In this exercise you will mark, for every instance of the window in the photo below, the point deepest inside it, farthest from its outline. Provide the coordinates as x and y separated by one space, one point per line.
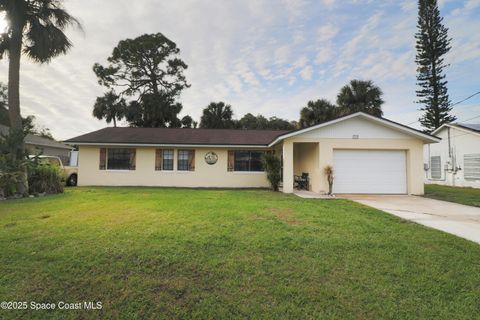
186 160
167 160
471 166
117 159
164 159
245 160
436 167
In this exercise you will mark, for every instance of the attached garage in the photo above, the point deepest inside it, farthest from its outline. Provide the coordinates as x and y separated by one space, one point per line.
369 155
370 171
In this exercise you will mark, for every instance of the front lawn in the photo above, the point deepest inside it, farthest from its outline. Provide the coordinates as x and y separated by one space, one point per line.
467 196
149 253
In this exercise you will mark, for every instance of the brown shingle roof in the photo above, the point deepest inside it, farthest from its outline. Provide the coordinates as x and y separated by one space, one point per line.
178 136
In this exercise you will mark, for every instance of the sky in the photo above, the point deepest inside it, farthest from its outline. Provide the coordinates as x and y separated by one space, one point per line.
265 57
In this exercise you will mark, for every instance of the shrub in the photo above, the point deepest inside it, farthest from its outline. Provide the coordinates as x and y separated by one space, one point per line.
273 167
45 177
11 174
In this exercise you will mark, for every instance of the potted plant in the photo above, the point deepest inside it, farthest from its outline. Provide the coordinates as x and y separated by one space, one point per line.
329 173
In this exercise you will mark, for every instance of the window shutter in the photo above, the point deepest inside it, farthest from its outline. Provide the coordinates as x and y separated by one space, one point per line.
191 160
158 159
231 160
132 159
103 159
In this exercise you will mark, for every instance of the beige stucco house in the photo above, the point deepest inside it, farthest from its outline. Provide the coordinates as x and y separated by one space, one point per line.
368 154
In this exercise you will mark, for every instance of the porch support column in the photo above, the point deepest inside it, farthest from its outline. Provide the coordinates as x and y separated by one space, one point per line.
287 167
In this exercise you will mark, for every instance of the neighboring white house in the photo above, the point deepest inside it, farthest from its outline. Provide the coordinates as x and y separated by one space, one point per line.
455 161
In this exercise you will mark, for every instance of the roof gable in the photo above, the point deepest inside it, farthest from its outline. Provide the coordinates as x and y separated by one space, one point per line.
371 126
473 129
356 126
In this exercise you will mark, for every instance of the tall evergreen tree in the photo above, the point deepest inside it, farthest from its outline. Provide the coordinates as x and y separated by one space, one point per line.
432 45
147 70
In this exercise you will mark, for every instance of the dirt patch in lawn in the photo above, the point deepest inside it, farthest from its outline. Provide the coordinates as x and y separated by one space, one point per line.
285 215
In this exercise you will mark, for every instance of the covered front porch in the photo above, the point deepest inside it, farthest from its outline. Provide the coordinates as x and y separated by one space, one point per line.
301 167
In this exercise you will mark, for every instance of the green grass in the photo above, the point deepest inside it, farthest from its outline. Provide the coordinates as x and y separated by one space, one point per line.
150 253
467 196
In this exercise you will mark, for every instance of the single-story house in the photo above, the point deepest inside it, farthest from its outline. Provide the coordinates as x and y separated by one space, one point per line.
455 161
368 154
40 145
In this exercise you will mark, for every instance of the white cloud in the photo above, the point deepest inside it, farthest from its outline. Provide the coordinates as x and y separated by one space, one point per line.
306 73
294 8
298 37
281 55
323 55
328 3
327 32
300 62
468 7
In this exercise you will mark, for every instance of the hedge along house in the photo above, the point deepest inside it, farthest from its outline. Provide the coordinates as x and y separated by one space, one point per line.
368 154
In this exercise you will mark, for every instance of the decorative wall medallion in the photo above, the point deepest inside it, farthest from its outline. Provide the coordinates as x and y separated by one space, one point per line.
211 158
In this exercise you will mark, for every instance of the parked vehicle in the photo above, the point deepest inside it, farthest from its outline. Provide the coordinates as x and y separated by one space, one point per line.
71 173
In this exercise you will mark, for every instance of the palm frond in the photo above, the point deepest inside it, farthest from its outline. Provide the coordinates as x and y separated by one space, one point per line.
4 43
51 11
44 42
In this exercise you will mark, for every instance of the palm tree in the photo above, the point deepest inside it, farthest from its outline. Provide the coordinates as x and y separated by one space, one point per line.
110 107
317 112
217 115
35 27
361 96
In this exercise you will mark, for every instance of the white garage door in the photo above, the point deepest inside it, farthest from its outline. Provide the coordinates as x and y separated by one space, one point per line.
369 171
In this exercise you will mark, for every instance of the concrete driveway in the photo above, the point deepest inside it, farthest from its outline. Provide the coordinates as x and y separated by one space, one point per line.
457 219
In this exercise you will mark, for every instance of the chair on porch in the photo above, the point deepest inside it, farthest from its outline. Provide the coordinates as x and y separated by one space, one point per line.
302 182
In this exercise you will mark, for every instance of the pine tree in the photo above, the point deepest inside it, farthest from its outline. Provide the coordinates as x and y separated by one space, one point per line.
432 44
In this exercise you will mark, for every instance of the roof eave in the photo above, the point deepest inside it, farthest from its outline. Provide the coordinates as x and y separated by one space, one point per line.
424 137
189 145
458 127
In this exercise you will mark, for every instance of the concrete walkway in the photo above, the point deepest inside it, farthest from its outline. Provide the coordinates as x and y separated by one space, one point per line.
311 195
457 219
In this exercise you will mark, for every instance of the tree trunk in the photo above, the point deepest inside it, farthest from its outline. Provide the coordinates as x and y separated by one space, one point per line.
14 80
16 128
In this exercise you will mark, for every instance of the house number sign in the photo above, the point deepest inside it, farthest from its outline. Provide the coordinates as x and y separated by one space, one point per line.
211 158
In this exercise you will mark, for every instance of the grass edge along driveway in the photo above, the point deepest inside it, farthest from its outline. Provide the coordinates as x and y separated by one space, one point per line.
462 195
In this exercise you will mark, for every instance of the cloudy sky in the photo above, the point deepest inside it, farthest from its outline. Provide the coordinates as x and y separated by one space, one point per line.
261 56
